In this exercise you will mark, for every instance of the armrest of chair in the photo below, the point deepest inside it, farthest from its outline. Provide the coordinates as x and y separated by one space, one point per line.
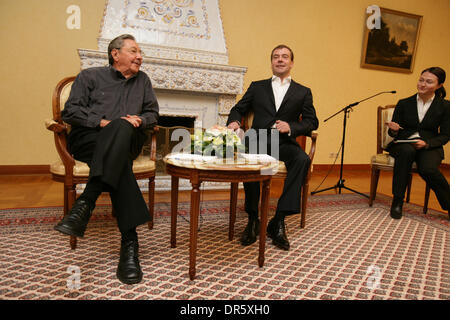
312 151
153 132
59 130
54 126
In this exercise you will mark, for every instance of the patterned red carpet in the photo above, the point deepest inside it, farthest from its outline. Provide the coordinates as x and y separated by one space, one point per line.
347 251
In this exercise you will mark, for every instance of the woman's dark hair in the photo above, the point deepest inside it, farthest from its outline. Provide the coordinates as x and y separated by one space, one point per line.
440 74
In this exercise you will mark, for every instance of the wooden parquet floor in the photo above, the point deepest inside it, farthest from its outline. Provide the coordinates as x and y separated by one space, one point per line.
20 191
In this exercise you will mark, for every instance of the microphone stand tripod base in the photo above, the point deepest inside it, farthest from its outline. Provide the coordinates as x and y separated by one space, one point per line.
340 185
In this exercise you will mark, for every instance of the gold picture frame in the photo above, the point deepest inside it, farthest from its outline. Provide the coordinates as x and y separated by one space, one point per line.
393 46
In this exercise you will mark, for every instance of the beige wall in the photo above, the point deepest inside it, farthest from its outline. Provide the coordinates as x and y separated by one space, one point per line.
326 36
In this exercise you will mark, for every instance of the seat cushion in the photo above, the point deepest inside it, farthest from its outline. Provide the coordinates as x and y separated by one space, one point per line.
281 168
143 164
80 169
384 159
140 165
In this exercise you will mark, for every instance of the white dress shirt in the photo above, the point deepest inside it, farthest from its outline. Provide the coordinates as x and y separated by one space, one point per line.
279 89
422 108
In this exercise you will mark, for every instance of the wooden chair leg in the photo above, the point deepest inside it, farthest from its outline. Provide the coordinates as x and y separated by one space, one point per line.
66 200
408 191
304 203
373 185
427 197
73 242
71 197
151 201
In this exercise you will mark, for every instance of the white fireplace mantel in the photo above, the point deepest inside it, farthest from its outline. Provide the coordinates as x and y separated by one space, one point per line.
179 74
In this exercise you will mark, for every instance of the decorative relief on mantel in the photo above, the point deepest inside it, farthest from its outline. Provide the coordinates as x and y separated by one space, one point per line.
157 51
172 29
177 17
180 75
226 102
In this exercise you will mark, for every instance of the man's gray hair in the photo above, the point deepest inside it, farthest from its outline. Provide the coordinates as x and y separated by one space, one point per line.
117 43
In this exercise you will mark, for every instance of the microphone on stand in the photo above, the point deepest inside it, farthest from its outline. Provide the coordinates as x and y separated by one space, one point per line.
340 184
356 103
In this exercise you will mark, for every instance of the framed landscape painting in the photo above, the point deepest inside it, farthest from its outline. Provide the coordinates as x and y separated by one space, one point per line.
392 46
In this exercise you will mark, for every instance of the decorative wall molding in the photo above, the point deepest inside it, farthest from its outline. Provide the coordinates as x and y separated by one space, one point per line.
45 169
24 169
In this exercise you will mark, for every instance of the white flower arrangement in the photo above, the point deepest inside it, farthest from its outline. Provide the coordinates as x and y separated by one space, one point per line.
216 141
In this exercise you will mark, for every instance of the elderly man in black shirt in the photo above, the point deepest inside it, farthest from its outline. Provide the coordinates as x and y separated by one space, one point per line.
109 109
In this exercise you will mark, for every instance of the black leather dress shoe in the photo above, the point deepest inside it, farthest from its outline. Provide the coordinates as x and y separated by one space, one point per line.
129 271
75 222
251 232
276 230
396 208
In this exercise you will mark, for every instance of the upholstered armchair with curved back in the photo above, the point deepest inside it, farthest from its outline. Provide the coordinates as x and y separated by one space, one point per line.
246 124
72 172
382 161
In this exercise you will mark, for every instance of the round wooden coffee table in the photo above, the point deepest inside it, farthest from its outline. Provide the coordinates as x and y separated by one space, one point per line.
220 170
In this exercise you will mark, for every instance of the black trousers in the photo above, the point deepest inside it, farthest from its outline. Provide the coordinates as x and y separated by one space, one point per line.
297 164
428 162
110 152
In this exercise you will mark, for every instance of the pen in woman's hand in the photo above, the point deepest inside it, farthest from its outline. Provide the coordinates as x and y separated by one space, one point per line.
393 125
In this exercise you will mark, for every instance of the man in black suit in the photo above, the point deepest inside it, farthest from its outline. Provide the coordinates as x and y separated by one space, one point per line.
278 104
424 117
109 109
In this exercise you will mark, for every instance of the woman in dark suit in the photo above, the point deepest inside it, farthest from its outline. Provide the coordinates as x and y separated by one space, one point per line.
424 118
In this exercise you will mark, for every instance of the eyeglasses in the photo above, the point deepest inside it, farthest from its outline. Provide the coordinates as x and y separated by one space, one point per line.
133 51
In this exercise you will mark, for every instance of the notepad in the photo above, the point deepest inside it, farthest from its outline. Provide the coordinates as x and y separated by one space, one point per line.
261 158
191 157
